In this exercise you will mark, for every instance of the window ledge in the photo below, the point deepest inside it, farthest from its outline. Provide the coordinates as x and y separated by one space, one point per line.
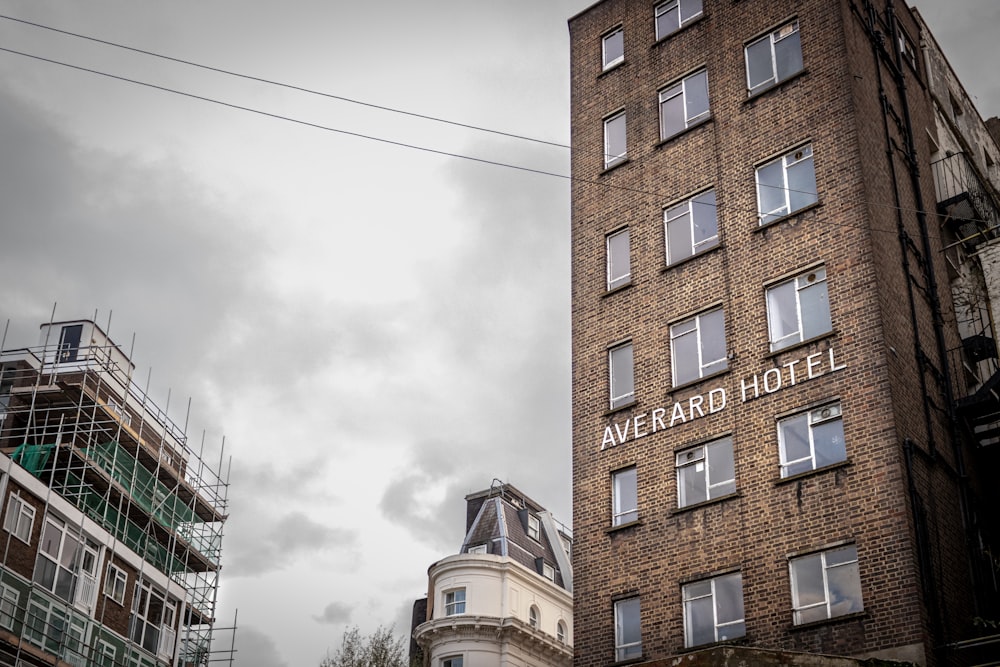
829 621
705 503
689 258
737 641
816 471
802 343
612 68
619 408
612 167
620 288
690 128
670 35
624 526
794 214
774 86
630 661
692 383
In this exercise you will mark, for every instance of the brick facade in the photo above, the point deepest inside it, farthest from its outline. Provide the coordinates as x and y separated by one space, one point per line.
902 452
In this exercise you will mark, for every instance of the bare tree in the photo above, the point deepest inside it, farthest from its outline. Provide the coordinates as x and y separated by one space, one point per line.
379 649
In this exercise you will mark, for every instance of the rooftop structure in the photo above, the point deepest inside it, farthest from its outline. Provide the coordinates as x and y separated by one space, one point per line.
112 523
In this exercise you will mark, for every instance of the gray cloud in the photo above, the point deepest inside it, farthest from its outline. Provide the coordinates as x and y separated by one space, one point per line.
257 544
253 647
335 613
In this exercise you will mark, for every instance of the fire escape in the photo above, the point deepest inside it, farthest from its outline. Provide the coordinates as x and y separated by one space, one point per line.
970 214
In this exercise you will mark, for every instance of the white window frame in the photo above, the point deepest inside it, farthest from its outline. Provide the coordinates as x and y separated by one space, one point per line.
561 632
726 624
694 328
74 564
686 218
615 245
20 519
627 647
664 8
844 567
534 527
609 61
534 617
147 630
548 572
478 549
695 463
622 481
106 654
685 90
452 661
773 38
799 159
619 357
9 599
115 583
814 420
810 292
611 132
454 602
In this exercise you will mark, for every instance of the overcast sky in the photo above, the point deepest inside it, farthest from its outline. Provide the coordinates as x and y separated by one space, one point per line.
375 330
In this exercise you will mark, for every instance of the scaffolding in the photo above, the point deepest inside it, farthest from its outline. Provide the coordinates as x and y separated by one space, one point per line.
73 418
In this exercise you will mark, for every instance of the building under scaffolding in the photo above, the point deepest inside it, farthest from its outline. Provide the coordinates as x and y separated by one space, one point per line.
111 525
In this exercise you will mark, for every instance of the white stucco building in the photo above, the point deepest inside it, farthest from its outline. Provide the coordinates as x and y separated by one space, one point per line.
506 598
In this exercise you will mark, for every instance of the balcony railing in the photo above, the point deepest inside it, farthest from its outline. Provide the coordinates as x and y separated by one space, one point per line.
967 203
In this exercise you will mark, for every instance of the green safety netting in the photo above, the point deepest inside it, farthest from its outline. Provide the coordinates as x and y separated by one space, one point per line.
32 457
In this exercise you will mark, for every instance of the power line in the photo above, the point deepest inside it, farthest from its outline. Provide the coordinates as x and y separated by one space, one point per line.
289 86
496 163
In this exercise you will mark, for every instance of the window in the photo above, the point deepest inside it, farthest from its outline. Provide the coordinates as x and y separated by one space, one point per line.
713 610
619 262
698 346
798 309
825 585
533 527
684 104
786 185
478 549
906 48
67 564
533 616
454 602
114 584
620 370
613 48
626 498
105 654
8 606
614 140
561 632
49 625
452 661
628 637
20 518
672 15
691 227
774 57
151 624
811 440
705 472
548 572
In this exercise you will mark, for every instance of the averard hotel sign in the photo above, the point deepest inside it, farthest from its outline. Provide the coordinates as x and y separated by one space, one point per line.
715 400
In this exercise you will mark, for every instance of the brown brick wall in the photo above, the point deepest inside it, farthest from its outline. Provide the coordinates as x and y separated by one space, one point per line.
834 104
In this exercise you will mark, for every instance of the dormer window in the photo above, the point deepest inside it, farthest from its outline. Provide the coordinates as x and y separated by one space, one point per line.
533 527
478 549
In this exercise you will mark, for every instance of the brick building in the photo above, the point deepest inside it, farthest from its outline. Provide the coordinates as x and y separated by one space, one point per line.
784 369
111 540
